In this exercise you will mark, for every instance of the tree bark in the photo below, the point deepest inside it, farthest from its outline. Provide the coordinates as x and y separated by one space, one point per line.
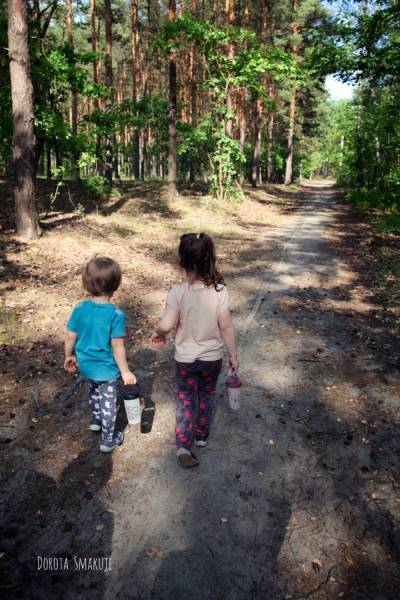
231 18
289 159
172 109
108 82
258 123
74 95
292 109
96 77
134 49
27 217
242 93
193 90
271 120
256 173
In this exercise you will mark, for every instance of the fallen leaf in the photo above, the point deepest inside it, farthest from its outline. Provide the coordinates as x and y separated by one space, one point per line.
316 564
224 520
206 524
154 552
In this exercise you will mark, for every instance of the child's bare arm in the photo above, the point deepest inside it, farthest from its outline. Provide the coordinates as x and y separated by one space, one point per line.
228 335
70 362
118 346
167 324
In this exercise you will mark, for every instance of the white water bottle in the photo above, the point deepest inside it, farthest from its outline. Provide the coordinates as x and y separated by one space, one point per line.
131 398
233 384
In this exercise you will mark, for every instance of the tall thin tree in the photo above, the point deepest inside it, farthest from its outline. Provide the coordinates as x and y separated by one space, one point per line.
74 94
27 217
109 83
172 109
135 59
293 96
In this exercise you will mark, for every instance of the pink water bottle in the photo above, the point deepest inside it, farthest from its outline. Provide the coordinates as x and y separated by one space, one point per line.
233 384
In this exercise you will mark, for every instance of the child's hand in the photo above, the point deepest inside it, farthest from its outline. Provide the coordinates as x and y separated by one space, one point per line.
128 378
71 364
158 340
233 363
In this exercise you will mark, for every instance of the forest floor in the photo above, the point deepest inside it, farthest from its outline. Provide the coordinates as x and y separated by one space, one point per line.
297 494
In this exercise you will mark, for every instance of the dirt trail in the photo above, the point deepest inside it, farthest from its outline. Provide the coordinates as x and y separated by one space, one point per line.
297 495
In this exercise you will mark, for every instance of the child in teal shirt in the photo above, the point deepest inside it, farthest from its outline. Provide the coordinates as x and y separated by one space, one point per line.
96 331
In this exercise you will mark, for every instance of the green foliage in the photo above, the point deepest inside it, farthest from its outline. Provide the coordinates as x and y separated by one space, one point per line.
368 199
96 186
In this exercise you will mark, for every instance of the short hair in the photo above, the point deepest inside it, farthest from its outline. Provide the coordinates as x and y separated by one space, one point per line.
101 276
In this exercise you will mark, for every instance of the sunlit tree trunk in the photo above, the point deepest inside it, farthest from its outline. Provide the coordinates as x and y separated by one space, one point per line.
289 159
231 18
135 59
292 109
271 120
242 94
172 109
109 82
256 174
193 87
27 218
74 95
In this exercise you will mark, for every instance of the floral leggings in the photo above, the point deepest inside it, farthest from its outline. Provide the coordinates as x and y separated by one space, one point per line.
195 387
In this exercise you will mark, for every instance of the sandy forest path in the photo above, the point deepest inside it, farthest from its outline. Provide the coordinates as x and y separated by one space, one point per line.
294 493
297 495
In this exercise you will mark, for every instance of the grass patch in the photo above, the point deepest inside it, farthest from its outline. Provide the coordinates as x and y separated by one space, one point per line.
9 330
387 224
370 199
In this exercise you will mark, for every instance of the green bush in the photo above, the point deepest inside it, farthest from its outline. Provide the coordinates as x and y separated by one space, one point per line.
367 199
96 185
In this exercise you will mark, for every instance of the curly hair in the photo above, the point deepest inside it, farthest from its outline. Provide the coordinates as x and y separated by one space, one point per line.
197 255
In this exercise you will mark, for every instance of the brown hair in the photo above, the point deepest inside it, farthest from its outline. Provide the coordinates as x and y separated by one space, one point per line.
101 276
197 255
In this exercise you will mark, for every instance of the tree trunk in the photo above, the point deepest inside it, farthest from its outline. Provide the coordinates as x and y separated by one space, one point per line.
289 159
172 109
271 120
27 217
96 77
256 174
135 58
108 82
74 95
258 121
341 157
193 90
231 18
242 95
292 109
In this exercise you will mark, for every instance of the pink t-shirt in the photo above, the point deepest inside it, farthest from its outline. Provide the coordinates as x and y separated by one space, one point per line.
197 333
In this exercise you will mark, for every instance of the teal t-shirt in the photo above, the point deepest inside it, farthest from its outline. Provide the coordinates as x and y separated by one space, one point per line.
95 325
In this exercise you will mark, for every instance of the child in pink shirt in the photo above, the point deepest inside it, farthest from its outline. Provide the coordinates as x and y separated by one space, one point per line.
198 309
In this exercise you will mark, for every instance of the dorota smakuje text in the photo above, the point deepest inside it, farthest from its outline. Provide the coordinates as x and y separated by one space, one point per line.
75 563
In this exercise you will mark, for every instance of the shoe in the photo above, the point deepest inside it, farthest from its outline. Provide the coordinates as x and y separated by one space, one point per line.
117 441
186 458
200 442
95 426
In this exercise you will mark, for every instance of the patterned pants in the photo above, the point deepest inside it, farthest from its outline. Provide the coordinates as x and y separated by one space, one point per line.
195 386
103 404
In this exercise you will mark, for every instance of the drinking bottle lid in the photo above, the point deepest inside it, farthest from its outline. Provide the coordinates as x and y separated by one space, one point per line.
233 381
130 391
